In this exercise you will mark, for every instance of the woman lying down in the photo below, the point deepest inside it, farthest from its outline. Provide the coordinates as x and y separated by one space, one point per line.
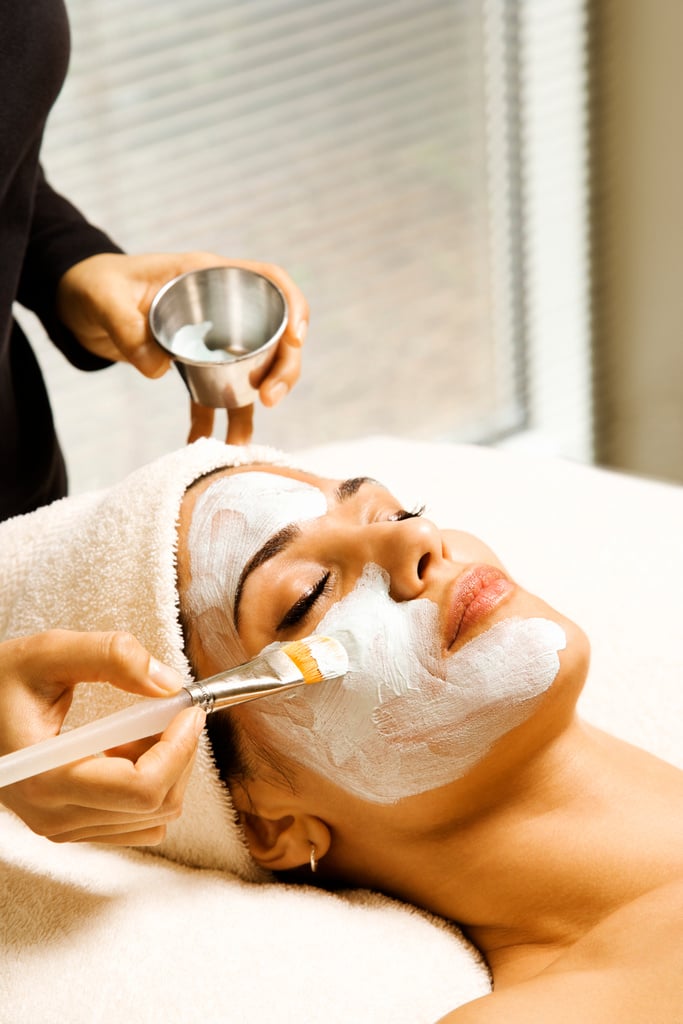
449 768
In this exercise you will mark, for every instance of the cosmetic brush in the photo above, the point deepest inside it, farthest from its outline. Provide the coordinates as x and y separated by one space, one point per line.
277 669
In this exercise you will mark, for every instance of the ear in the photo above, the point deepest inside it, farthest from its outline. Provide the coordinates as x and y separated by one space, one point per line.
280 833
285 843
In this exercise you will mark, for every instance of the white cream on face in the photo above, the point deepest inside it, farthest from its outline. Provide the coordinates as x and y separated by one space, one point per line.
405 720
231 521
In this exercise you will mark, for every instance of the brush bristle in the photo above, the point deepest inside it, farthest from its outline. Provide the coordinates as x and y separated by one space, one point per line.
318 658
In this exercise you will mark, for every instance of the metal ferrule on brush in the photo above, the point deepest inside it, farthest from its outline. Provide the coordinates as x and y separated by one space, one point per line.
271 673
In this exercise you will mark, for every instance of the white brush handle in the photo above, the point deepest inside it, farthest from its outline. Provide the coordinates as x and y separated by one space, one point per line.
145 718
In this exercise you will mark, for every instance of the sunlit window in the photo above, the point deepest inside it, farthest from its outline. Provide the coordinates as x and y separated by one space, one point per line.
387 154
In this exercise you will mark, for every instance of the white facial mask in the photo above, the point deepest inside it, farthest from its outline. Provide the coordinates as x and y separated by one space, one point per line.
231 521
404 720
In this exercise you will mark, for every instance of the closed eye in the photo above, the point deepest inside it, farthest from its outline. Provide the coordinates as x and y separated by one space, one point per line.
403 513
301 608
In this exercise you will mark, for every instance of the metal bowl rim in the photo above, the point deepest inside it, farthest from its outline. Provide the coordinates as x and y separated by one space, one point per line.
213 362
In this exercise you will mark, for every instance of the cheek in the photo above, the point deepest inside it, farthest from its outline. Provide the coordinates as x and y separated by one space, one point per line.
465 547
404 720
575 656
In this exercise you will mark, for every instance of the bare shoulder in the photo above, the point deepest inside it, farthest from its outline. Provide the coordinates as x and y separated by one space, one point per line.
627 970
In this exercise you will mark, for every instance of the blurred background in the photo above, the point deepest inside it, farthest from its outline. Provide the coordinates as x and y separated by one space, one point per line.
480 199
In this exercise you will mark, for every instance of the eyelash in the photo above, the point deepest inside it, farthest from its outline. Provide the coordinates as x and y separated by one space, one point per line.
298 612
403 513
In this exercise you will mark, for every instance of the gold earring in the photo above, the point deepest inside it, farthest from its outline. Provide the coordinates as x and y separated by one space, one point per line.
313 860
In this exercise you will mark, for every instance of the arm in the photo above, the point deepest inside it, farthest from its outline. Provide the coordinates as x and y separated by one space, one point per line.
59 238
93 301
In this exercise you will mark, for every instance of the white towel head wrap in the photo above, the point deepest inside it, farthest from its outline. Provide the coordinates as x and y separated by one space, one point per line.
107 561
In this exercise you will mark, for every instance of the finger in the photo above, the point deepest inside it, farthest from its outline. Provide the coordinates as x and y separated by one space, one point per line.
149 359
201 422
240 425
43 809
145 837
88 824
132 751
136 348
65 657
122 828
296 333
116 784
46 812
132 338
282 376
148 835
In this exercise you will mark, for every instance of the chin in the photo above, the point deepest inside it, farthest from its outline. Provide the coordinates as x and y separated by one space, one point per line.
574 664
575 657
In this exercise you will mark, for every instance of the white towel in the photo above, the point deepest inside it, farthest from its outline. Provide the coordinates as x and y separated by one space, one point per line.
106 561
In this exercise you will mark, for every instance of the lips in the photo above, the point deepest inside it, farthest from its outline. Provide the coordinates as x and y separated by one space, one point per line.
477 592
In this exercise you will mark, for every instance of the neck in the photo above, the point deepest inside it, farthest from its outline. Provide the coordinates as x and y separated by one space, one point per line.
591 824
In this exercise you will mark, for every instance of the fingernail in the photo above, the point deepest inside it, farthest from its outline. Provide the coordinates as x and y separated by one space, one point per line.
166 678
199 718
278 392
302 331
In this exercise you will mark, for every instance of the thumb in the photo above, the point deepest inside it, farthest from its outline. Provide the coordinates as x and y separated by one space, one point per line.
131 337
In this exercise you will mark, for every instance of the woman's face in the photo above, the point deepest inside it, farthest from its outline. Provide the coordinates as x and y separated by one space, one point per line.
447 653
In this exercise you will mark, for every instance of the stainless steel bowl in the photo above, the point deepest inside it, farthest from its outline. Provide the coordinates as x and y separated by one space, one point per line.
221 326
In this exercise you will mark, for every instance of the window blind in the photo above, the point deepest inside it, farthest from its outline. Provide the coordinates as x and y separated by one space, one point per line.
371 149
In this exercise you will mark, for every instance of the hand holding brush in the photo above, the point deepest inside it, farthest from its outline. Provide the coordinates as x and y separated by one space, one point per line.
114 799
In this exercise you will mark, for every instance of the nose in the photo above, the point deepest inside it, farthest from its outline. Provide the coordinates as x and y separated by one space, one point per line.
409 551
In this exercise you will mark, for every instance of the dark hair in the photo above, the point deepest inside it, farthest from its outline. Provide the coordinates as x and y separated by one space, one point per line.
227 747
238 757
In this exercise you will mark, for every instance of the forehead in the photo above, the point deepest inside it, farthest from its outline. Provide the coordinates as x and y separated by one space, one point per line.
332 490
199 487
326 485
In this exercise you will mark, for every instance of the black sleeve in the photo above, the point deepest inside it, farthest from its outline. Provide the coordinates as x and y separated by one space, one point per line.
59 237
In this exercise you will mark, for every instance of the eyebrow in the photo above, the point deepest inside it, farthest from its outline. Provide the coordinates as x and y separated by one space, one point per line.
284 537
273 546
348 488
